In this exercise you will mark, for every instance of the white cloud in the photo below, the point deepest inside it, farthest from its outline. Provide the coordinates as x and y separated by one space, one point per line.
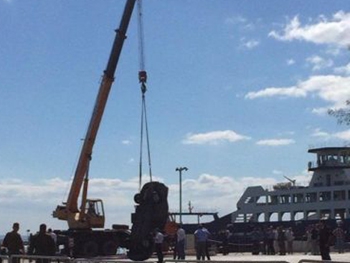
41 199
249 44
290 62
319 133
126 142
319 63
330 88
32 204
205 191
335 31
240 21
320 111
277 172
343 135
275 142
214 137
272 92
345 70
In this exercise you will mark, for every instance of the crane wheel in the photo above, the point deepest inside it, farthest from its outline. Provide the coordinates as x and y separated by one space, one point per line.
109 248
90 249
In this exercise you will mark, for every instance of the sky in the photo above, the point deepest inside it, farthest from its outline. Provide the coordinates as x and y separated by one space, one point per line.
237 92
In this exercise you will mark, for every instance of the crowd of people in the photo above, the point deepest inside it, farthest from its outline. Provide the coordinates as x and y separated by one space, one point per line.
201 238
318 240
43 243
270 241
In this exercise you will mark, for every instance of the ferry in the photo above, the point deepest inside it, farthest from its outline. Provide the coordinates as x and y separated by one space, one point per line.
292 206
326 197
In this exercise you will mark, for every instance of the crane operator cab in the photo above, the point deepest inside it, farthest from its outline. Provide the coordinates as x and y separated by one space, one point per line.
95 213
151 212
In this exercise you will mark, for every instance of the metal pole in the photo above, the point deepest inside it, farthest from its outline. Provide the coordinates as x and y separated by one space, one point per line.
180 169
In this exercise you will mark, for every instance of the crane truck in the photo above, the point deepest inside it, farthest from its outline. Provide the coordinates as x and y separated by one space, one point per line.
151 209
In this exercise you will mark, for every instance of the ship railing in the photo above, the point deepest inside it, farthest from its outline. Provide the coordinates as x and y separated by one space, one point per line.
320 261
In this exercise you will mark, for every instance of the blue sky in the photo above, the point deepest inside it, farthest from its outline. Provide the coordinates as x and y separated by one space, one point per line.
237 91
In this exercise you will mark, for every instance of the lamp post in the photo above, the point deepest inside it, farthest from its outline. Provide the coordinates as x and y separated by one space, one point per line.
180 169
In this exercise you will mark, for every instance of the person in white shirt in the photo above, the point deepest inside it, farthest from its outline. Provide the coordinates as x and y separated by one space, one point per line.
181 242
158 240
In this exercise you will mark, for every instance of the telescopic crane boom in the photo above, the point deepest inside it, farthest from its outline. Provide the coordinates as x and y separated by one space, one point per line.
69 211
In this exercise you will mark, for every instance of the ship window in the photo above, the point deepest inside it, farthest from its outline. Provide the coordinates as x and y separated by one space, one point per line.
312 214
339 183
311 197
286 216
285 199
273 199
261 217
346 159
339 214
325 214
273 217
339 195
299 215
325 196
261 200
298 198
328 178
249 200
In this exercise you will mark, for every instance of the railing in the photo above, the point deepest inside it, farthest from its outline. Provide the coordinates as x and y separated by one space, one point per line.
61 259
38 259
4 259
320 261
225 261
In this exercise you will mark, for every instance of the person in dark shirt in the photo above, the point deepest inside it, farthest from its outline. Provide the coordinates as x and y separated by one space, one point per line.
13 242
42 244
324 237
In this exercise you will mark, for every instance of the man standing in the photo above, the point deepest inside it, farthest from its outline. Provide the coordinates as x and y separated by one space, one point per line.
290 238
42 244
339 235
324 234
181 242
201 238
13 241
158 240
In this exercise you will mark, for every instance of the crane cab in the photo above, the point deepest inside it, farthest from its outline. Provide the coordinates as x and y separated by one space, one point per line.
91 215
94 213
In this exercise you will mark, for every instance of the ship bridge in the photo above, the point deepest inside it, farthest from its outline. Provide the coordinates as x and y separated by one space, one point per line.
330 158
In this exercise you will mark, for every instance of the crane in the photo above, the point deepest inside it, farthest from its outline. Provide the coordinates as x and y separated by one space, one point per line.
81 239
69 211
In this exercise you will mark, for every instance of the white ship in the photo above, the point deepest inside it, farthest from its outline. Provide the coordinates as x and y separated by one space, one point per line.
326 197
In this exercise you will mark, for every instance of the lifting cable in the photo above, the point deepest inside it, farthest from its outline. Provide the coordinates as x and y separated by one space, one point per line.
143 80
